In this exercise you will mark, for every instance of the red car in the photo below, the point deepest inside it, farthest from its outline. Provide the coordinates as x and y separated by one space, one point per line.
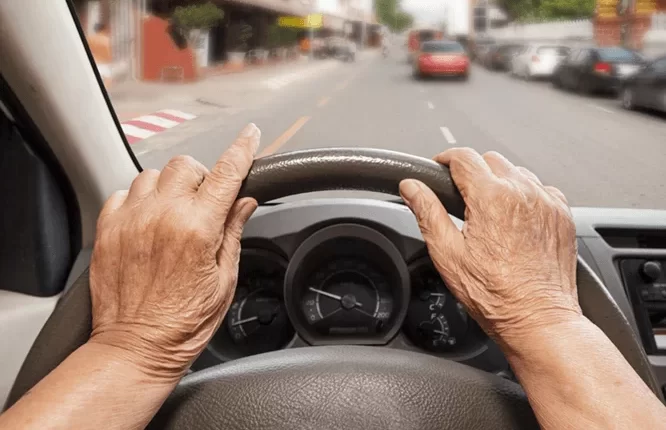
441 58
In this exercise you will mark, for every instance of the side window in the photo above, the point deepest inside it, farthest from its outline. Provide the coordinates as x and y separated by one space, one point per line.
658 66
571 59
583 57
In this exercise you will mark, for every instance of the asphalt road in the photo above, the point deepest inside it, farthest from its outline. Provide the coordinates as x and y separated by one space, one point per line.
595 152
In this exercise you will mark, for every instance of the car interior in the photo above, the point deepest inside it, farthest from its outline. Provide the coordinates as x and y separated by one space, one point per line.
293 339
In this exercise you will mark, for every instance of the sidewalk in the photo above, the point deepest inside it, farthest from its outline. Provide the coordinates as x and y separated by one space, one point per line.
174 110
232 91
134 98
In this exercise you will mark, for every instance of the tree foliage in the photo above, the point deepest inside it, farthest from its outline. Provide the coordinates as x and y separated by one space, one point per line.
239 35
528 10
197 16
390 14
279 37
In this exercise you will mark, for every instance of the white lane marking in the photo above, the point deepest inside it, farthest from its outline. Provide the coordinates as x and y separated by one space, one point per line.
601 108
135 131
178 113
448 135
431 106
158 121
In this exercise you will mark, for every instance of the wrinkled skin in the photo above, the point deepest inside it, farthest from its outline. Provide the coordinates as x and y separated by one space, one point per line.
513 265
165 261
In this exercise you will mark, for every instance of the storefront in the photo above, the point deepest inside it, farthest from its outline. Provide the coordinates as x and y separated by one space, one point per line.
624 22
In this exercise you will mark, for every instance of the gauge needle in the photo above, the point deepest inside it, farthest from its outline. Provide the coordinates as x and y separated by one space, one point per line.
366 313
246 320
332 296
439 332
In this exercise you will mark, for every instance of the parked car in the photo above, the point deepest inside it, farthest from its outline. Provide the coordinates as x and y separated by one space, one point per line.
538 60
341 48
595 69
647 88
447 58
500 57
479 47
480 52
486 56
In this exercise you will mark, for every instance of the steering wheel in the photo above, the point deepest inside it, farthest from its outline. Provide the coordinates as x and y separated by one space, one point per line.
337 387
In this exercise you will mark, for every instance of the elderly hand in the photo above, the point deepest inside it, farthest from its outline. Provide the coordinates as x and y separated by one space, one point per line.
165 261
513 265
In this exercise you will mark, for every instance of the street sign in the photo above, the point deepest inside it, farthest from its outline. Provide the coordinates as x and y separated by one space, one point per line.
311 21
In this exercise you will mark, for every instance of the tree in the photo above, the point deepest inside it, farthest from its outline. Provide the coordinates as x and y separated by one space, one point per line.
527 10
390 14
239 34
570 9
403 21
193 19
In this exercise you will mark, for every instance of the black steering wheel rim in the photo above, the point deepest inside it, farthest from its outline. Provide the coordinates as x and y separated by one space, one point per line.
337 387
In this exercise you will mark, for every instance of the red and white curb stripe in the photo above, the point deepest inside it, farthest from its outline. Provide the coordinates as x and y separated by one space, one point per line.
146 126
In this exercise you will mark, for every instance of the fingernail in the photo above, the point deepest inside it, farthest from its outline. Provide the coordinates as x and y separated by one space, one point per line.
409 189
250 130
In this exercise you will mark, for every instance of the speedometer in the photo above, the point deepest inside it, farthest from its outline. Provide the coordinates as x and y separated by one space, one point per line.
347 296
347 284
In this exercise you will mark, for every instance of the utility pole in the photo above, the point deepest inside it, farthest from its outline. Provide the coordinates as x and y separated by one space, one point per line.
311 28
363 30
623 9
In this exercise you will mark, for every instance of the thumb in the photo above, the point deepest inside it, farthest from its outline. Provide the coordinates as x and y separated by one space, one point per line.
440 233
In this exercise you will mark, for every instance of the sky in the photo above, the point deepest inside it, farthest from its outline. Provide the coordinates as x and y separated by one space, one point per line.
424 11
453 12
427 11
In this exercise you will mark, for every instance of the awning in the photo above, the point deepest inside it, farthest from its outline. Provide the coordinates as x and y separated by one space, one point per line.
310 21
285 7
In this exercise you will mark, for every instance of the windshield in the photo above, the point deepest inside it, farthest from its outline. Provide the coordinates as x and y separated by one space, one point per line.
558 51
442 47
185 76
617 54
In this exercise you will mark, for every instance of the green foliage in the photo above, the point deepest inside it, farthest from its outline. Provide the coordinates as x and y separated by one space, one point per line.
403 21
390 14
239 34
534 10
197 16
567 9
281 36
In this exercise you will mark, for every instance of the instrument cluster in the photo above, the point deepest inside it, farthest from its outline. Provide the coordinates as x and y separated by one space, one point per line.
343 284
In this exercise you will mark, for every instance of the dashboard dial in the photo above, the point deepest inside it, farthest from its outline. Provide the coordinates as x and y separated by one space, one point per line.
347 296
257 315
257 320
347 284
435 320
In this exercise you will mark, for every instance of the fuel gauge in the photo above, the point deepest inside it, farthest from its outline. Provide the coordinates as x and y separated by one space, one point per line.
435 320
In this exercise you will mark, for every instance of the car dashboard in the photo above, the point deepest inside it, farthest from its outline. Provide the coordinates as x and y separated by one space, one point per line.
341 271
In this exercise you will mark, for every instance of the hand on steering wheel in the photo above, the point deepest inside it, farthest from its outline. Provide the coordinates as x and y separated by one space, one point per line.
513 265
165 261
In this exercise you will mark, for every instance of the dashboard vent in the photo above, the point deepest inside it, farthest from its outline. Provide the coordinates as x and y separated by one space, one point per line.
634 238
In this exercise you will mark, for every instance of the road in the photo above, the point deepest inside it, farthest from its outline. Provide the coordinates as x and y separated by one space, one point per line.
595 152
